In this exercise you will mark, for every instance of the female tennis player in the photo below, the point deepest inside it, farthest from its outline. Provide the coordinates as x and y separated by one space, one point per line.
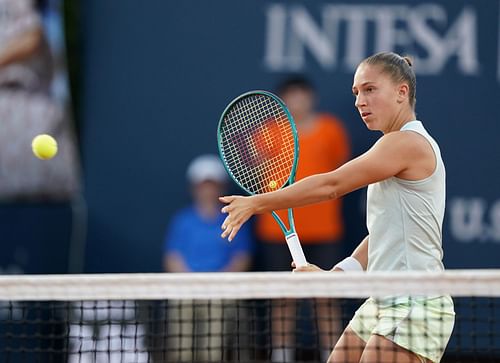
405 176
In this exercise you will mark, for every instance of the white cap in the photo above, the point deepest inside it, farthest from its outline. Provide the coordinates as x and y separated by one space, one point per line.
206 167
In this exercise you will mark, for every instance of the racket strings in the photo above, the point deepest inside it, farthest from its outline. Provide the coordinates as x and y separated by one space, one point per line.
258 143
266 108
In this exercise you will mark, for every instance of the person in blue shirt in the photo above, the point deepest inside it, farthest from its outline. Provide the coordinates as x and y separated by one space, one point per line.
193 244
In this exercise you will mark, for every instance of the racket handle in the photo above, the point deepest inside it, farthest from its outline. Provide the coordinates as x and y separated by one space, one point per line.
292 240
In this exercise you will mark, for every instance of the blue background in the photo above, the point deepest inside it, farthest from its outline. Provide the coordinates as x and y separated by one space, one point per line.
155 78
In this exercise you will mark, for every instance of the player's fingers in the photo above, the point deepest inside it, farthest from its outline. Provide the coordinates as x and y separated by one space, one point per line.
226 224
234 231
226 232
226 199
307 268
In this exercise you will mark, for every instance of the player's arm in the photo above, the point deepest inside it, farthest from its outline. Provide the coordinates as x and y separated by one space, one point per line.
391 155
360 254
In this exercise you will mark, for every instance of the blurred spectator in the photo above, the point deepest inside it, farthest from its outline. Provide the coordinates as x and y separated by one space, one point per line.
193 244
27 108
323 146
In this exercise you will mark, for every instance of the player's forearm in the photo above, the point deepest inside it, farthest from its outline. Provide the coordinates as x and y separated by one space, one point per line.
351 176
313 189
357 261
361 253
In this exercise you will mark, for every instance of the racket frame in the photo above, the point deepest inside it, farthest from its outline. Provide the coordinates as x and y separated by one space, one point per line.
290 233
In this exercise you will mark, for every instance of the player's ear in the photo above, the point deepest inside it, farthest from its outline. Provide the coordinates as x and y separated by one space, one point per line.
403 92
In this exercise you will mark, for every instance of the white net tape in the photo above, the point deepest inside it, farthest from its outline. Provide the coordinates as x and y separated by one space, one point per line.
250 285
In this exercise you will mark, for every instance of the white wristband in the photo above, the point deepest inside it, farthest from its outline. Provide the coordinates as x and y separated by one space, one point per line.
349 264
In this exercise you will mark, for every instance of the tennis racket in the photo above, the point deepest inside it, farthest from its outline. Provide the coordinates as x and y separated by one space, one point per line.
259 147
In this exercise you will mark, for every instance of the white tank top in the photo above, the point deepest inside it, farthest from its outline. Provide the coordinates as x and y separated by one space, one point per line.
405 218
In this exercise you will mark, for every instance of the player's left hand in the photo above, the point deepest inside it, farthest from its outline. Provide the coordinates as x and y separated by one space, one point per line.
307 268
239 209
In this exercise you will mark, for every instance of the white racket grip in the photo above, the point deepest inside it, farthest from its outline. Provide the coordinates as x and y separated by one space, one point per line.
295 248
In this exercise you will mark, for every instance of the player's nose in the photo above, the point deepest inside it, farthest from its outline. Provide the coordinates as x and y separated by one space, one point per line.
359 102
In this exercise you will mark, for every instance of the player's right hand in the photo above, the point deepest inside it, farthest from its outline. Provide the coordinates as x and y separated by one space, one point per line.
239 209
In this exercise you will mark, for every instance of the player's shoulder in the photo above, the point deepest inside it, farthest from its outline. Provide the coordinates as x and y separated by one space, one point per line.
405 142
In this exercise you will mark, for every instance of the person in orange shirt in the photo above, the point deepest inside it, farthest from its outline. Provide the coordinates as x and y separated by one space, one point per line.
323 146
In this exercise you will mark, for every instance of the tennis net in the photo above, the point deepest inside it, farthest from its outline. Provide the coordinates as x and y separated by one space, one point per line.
244 317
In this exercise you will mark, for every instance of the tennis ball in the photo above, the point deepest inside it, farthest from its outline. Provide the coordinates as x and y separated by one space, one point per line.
273 184
44 146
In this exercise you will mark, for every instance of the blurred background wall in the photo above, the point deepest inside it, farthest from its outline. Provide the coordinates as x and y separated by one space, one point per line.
153 78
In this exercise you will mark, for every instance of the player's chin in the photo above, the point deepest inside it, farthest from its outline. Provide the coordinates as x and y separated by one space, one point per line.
365 120
371 125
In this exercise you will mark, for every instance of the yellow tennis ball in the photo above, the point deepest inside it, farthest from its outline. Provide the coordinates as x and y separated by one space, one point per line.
44 146
273 184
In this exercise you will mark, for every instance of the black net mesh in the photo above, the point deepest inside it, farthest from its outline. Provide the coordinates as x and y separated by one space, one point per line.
283 329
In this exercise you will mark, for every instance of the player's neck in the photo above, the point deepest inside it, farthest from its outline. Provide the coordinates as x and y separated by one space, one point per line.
400 120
